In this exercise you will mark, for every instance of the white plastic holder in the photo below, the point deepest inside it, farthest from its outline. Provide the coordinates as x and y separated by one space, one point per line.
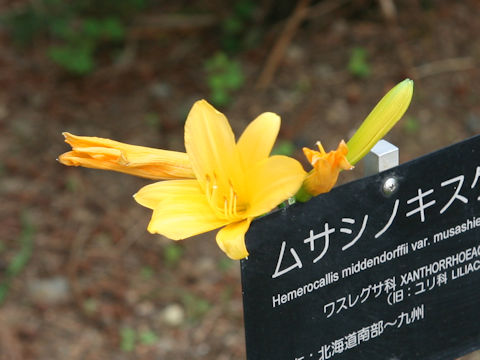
383 156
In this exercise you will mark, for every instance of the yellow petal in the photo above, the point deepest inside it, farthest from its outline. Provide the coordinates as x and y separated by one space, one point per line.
231 239
180 209
271 182
211 147
151 196
382 118
106 154
257 140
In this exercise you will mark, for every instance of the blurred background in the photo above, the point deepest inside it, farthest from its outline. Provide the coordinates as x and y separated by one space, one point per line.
80 277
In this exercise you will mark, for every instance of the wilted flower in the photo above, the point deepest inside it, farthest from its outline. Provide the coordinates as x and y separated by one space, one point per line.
326 167
106 154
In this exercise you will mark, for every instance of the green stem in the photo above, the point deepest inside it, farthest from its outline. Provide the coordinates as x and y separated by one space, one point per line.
302 195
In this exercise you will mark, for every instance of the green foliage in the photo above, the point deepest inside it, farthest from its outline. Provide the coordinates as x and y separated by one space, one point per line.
284 147
77 60
172 254
195 306
224 264
411 124
148 337
224 75
77 29
358 64
72 184
128 338
76 54
236 32
21 258
146 272
24 25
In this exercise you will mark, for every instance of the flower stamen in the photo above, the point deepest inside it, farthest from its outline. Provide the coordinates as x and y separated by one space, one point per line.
232 208
225 207
208 188
211 189
320 147
234 204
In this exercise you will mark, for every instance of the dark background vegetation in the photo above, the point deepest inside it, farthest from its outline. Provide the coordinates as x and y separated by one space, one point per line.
80 277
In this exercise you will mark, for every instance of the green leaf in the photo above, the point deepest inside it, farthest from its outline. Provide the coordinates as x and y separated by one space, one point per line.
234 76
92 28
61 28
232 25
25 26
148 337
284 147
220 97
224 264
172 254
195 306
128 339
113 29
146 272
76 60
245 8
224 76
4 287
21 258
411 124
358 64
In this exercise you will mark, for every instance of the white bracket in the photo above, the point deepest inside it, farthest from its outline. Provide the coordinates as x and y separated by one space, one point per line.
383 156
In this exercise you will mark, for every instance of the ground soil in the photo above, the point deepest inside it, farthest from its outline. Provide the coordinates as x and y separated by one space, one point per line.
96 276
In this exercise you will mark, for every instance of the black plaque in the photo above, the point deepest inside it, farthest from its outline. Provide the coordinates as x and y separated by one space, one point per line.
386 267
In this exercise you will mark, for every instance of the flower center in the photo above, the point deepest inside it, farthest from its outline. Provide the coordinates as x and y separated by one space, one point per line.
222 199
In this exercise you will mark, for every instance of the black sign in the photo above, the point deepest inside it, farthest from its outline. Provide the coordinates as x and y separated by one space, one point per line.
386 267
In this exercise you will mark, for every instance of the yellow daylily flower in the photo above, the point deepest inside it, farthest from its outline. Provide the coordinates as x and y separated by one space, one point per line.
327 166
106 154
380 120
235 182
